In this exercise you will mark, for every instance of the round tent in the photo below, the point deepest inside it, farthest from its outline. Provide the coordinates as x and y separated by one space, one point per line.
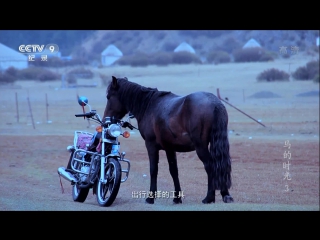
11 58
184 47
110 55
251 44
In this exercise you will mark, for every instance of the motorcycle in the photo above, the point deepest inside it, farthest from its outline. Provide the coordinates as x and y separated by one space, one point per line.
94 161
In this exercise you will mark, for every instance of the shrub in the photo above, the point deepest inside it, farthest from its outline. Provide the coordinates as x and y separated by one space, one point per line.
256 54
266 57
247 55
184 57
125 60
218 57
30 73
139 60
300 74
161 59
6 78
308 72
37 73
81 72
313 68
46 75
9 75
273 74
12 72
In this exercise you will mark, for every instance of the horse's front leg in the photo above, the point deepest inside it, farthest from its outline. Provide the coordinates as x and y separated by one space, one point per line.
153 154
173 168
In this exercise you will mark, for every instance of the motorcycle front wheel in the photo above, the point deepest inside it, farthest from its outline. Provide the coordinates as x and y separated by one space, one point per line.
107 192
79 194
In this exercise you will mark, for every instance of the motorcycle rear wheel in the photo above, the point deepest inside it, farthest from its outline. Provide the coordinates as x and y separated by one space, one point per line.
107 192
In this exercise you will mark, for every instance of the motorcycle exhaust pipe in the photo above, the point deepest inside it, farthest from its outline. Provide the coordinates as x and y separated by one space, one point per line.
66 175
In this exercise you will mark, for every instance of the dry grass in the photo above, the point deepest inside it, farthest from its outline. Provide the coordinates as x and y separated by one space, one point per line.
30 157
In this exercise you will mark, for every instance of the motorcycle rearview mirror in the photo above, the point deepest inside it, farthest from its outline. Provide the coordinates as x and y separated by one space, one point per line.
82 101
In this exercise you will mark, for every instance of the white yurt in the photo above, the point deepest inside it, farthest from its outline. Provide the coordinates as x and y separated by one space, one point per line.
184 47
11 58
252 43
110 55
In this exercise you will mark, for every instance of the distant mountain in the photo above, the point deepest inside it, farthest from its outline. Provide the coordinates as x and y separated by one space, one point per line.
65 39
90 43
203 41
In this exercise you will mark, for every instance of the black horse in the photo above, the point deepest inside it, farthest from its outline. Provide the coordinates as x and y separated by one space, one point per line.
175 123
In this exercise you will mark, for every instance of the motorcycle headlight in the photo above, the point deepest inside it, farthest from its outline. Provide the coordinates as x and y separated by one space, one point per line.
114 130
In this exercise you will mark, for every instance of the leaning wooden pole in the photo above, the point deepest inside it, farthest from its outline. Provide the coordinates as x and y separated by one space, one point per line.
47 105
17 107
31 113
218 93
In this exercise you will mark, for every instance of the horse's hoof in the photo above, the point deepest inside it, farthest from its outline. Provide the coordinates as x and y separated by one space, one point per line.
227 199
177 200
150 200
208 200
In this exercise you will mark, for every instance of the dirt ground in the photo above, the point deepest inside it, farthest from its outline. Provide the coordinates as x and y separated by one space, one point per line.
31 155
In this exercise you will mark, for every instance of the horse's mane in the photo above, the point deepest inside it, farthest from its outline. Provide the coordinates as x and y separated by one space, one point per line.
137 97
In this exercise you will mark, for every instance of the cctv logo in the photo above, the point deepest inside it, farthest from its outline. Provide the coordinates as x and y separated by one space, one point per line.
31 48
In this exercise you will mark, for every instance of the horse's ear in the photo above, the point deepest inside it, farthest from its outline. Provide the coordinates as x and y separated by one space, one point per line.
114 82
125 78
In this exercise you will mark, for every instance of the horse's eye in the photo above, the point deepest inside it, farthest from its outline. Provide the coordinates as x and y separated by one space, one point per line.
108 97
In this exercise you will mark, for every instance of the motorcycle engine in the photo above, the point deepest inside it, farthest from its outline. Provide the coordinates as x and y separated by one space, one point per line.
84 169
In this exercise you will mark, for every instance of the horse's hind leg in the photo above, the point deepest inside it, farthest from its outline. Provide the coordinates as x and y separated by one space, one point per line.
173 168
226 197
205 156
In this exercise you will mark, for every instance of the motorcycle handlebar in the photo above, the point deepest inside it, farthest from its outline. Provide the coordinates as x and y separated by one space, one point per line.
88 115
123 124
127 124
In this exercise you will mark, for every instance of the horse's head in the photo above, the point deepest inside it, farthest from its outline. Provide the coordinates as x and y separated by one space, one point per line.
114 106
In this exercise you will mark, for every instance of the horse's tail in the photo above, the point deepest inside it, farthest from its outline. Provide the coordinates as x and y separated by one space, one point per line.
219 149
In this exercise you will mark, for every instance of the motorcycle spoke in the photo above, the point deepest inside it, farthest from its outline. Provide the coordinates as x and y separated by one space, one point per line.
105 191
